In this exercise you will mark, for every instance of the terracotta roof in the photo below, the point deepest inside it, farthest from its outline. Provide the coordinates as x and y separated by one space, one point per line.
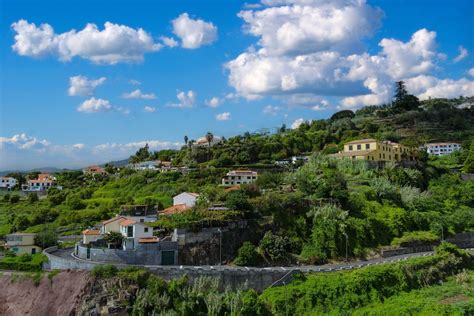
148 240
353 153
175 209
366 140
127 222
442 144
114 219
91 232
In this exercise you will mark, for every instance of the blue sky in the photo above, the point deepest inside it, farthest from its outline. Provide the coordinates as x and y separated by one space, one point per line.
275 62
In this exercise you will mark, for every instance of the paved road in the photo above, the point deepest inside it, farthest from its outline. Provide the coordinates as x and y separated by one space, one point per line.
67 254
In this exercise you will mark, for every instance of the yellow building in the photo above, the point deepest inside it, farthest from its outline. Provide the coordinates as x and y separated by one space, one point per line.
21 243
371 149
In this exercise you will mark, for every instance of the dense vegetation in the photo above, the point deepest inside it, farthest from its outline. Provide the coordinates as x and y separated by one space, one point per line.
367 290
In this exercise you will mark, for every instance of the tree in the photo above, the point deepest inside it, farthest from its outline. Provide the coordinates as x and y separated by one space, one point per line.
247 255
14 199
469 162
186 139
20 223
275 247
46 238
114 238
209 138
342 114
33 197
400 91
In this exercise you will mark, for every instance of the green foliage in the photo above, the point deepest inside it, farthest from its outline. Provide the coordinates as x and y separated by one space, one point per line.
33 197
104 271
46 238
415 238
114 238
247 255
24 262
14 199
275 247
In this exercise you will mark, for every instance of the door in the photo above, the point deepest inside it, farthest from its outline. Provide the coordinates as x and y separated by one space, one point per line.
88 253
33 251
167 258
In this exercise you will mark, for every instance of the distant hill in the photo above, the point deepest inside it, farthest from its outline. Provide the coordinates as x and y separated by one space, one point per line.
45 169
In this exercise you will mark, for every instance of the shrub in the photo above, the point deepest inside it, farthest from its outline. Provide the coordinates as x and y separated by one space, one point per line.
104 271
276 247
24 262
33 197
415 238
247 255
14 198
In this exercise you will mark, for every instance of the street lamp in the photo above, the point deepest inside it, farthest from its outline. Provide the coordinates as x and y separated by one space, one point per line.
347 241
220 245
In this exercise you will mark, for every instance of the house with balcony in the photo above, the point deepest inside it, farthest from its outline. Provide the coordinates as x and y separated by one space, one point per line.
42 183
374 150
441 149
21 243
7 183
139 212
133 232
238 177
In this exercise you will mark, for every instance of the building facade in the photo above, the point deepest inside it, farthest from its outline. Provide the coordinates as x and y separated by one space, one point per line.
441 149
7 183
43 182
237 177
187 198
373 150
22 243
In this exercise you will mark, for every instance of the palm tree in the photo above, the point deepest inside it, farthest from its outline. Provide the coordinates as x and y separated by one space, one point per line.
209 138
186 140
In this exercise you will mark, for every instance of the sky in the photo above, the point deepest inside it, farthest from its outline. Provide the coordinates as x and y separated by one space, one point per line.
86 82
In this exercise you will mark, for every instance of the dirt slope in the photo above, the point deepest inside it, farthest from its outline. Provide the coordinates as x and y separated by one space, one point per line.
20 296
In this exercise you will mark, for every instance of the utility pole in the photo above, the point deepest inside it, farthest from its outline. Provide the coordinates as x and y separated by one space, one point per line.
347 242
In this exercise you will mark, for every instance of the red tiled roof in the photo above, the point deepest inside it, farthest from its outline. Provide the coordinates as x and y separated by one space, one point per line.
148 240
175 209
113 219
91 232
127 222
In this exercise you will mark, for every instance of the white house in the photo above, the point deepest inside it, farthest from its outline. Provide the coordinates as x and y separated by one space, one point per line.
43 182
132 232
147 165
440 149
7 183
236 177
90 235
187 198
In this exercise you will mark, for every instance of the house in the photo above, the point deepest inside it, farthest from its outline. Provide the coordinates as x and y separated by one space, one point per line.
299 159
21 243
237 177
43 182
175 209
90 235
373 150
7 183
112 225
94 170
146 165
441 149
203 142
132 232
188 198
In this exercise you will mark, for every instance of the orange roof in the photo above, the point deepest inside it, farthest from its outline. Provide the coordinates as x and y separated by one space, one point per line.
91 232
175 209
148 240
127 222
114 219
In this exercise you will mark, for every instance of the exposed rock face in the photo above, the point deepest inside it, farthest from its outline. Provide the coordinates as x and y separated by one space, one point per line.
61 295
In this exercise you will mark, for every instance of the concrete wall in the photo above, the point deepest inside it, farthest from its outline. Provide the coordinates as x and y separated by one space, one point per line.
144 254
255 278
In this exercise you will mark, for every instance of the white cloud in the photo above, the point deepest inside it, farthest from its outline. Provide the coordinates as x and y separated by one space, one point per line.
169 41
137 94
114 44
271 110
23 151
471 72
186 99
297 123
463 53
149 109
81 85
214 102
134 82
223 116
193 33
428 86
94 105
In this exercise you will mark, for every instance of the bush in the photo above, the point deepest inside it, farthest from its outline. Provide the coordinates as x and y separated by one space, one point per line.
275 247
24 262
33 197
415 238
14 199
247 255
104 271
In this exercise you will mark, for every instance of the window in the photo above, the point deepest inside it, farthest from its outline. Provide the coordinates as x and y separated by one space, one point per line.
380 156
383 156
129 231
367 146
145 229
350 147
359 147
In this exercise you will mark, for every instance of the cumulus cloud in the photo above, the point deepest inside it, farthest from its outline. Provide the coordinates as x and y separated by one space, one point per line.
271 110
186 99
113 44
297 123
149 109
82 86
471 72
193 33
94 105
223 116
314 48
24 151
214 102
428 86
463 53
169 41
137 94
